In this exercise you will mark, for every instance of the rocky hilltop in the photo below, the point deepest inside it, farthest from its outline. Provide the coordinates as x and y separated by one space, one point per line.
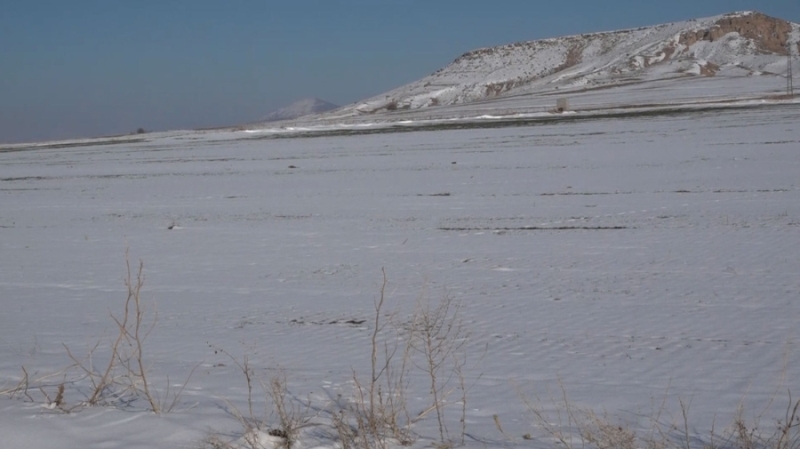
738 44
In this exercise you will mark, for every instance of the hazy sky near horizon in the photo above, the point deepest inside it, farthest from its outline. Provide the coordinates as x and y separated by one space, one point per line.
85 68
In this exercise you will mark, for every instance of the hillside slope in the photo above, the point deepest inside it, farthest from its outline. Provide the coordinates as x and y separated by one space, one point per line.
737 44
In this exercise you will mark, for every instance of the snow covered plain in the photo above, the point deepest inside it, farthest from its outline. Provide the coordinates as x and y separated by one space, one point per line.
632 261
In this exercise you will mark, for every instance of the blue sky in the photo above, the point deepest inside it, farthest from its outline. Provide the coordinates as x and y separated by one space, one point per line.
100 67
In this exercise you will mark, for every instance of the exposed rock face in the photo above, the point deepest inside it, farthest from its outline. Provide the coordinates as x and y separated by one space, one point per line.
769 34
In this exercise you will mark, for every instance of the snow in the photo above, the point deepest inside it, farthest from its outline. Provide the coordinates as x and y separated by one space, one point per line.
632 260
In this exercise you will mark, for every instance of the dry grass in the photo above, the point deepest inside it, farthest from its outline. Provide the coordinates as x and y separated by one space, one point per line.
572 427
752 434
28 384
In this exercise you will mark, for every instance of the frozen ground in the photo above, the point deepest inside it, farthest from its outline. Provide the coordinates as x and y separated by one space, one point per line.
630 260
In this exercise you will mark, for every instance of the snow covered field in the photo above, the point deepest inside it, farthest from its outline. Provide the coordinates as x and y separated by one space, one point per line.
632 261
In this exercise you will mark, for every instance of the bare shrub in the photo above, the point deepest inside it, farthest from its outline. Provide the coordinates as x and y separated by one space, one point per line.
248 421
788 434
378 414
125 373
291 413
347 434
437 334
432 340
284 415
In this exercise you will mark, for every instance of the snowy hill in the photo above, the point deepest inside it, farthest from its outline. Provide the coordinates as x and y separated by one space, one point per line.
738 44
300 109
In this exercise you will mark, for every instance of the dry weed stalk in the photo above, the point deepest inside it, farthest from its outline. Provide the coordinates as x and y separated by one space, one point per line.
564 410
789 427
379 411
347 434
136 338
573 427
58 401
499 427
433 342
247 371
438 335
744 435
124 376
125 373
250 423
26 383
293 415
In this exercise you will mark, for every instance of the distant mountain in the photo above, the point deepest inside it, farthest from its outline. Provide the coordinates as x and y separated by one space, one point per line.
300 109
737 44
